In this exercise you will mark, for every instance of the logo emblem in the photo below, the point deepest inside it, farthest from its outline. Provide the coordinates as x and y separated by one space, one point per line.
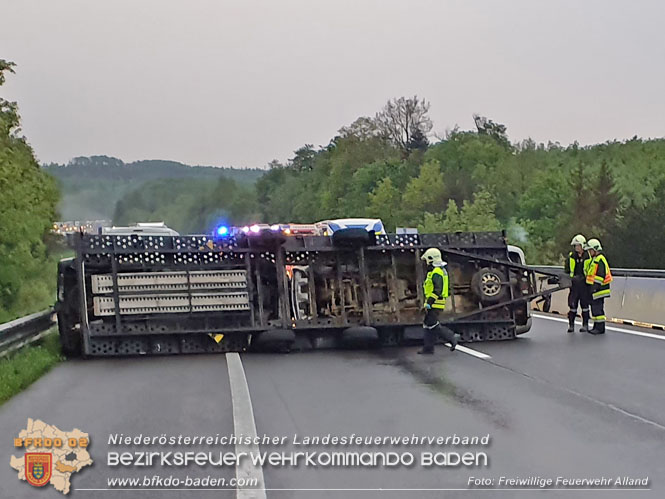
38 468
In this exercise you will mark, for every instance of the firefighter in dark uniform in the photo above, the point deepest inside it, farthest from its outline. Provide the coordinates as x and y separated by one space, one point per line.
435 290
577 266
598 278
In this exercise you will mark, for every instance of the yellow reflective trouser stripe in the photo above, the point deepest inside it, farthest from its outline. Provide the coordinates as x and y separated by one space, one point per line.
599 318
601 294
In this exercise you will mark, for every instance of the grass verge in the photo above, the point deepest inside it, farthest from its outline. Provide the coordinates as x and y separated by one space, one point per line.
21 368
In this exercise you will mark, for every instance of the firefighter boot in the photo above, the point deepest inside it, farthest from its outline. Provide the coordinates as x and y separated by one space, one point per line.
453 342
585 321
598 328
571 322
428 341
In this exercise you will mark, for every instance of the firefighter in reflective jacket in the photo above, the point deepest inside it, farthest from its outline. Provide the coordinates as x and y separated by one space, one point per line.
577 266
598 278
435 290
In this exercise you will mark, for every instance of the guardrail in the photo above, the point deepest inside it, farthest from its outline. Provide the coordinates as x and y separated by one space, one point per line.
25 330
637 298
616 272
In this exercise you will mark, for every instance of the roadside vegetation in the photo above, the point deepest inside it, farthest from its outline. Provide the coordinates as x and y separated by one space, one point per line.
28 199
21 368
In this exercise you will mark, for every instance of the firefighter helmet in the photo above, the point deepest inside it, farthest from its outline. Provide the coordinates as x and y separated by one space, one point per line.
578 239
433 257
594 244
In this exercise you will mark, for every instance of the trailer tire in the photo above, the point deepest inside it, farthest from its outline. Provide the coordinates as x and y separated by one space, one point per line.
486 285
353 237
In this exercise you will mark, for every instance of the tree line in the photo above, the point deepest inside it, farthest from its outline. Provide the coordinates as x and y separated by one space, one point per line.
385 166
92 186
543 194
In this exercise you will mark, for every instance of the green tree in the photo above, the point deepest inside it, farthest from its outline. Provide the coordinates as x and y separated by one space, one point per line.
385 204
497 131
467 161
477 215
303 159
637 242
606 201
27 210
424 193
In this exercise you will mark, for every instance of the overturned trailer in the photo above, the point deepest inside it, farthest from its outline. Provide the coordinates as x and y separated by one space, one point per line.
159 294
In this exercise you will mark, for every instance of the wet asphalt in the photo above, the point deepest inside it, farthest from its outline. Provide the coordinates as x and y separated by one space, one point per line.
554 405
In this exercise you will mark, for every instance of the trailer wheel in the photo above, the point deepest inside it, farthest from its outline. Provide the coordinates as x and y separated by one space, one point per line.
70 336
487 285
354 237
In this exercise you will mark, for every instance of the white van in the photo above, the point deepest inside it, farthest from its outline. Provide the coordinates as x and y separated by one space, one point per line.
329 227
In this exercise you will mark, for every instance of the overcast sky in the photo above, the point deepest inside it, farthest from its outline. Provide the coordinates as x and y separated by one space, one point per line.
240 82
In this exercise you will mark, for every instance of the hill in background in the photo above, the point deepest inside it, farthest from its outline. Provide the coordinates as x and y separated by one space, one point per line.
92 186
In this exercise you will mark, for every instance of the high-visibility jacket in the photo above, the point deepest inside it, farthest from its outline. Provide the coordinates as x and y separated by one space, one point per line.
435 287
599 276
578 264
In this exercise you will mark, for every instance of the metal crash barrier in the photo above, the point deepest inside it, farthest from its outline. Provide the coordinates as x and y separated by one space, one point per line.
25 330
637 298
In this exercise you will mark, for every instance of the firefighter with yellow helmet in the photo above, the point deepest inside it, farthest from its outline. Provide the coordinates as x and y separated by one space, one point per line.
577 266
598 278
436 289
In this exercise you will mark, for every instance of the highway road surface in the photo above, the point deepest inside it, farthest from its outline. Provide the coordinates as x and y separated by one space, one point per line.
554 405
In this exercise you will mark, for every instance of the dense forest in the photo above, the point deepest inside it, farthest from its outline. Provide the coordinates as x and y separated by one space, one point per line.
92 186
543 194
28 198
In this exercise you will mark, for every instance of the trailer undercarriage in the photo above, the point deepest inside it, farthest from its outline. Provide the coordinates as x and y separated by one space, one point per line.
144 294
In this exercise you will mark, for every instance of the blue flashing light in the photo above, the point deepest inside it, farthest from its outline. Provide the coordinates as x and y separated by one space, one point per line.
222 230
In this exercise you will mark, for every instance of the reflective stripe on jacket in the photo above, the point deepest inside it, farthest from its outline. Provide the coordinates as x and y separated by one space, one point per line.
573 260
599 276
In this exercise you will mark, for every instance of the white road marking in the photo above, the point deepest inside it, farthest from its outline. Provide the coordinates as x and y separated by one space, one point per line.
609 328
243 424
469 351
